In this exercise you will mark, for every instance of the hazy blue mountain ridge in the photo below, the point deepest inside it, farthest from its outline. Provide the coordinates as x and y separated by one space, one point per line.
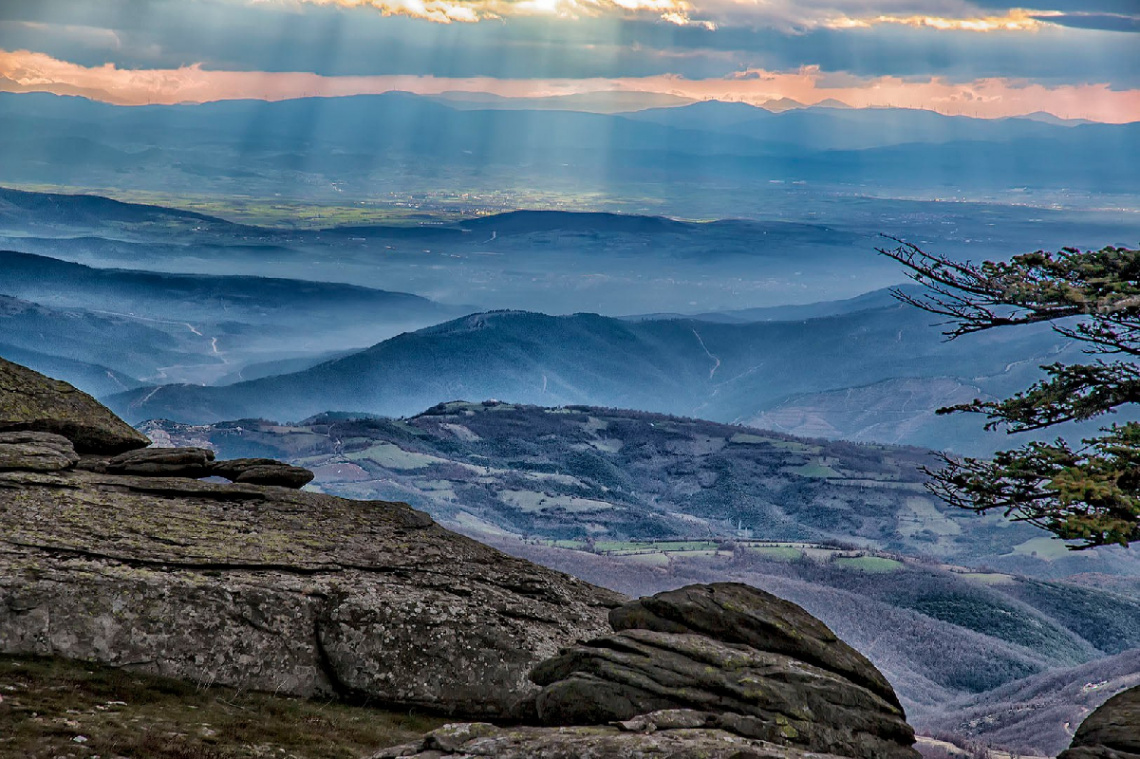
717 371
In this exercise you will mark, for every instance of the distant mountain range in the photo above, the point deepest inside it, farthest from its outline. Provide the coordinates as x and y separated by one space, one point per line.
123 323
324 146
864 368
553 261
609 101
718 371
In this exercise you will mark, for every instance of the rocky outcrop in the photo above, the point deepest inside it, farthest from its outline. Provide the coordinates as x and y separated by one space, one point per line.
708 671
121 556
277 590
262 472
198 463
602 742
161 462
1110 732
741 660
129 559
36 451
29 401
740 614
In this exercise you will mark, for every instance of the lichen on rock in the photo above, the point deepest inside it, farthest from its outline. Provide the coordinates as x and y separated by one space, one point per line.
32 402
36 451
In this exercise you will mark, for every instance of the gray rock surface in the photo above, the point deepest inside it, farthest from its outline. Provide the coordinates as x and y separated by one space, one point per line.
36 451
277 590
162 462
469 740
764 668
262 472
30 401
197 463
736 613
1110 732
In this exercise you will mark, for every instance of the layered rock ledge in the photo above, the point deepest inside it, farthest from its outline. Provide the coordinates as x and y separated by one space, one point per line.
600 742
276 590
31 402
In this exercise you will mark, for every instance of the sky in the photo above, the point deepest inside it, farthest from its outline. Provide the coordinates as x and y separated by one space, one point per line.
1070 58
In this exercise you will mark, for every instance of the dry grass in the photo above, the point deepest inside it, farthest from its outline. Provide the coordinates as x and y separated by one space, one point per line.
53 708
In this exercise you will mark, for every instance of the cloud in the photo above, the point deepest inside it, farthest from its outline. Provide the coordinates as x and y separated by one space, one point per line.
1016 20
470 11
1109 22
787 15
289 35
25 71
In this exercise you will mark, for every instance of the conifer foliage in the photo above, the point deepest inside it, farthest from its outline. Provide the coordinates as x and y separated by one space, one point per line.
1087 492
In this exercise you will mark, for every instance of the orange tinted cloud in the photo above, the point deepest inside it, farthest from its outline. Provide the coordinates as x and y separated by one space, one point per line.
1017 20
953 16
448 11
24 71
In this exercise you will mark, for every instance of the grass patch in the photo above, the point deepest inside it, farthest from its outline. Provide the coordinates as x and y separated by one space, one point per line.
777 553
391 456
621 546
648 559
747 438
988 578
54 707
814 468
876 564
1046 549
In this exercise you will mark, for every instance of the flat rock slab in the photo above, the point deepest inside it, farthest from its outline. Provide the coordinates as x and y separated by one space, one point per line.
277 590
162 462
262 472
36 451
604 742
1110 732
31 401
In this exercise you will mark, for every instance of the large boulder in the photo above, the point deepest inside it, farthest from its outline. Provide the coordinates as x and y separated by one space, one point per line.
1110 732
753 664
277 590
737 613
29 401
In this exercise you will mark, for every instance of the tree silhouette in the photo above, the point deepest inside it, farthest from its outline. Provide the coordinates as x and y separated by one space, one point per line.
1089 493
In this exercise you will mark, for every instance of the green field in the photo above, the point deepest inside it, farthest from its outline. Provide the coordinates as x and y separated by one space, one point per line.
869 564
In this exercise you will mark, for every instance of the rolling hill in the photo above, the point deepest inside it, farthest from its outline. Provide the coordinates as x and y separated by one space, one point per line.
722 372
954 608
178 326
